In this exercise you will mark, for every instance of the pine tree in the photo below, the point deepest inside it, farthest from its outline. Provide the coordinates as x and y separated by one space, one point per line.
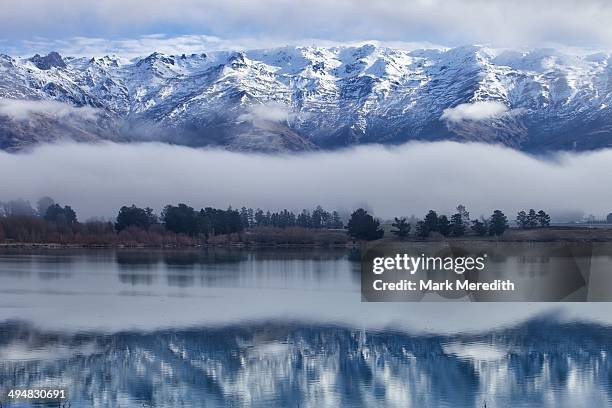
134 216
274 219
532 219
244 217
303 219
316 218
543 219
181 219
465 214
457 225
232 221
422 230
251 217
443 225
402 228
336 221
498 223
521 219
479 227
260 218
59 215
70 215
43 204
363 226
431 221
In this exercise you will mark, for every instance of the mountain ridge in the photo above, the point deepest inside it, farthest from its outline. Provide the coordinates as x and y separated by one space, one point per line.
308 98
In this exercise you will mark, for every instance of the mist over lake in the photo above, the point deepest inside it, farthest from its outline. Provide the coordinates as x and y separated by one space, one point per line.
96 179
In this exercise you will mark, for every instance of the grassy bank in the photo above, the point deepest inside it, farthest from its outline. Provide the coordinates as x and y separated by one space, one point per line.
159 238
291 237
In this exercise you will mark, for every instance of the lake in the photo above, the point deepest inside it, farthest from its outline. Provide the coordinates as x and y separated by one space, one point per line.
281 327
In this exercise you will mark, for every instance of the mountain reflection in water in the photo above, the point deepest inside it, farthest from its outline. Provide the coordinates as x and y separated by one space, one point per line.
286 328
541 363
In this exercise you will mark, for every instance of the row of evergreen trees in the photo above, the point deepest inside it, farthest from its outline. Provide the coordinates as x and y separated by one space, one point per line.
212 221
363 226
317 218
46 208
531 219
183 219
457 225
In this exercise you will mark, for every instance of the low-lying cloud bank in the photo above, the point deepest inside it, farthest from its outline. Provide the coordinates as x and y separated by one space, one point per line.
19 109
402 180
270 112
475 111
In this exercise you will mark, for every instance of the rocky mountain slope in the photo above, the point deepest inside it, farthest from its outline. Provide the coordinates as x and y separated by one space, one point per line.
307 98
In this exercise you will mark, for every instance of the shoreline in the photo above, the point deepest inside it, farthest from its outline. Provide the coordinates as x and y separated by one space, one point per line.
348 245
36 245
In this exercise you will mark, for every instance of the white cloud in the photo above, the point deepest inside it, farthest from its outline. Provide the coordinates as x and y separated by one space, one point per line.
19 109
475 111
138 46
451 22
98 179
182 44
267 112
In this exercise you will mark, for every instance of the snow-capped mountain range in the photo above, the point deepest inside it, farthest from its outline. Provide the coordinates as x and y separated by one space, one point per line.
308 98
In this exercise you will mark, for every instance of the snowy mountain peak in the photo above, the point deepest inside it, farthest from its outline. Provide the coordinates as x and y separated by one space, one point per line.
53 59
542 99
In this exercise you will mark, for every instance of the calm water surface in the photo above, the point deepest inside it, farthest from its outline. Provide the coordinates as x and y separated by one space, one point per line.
135 328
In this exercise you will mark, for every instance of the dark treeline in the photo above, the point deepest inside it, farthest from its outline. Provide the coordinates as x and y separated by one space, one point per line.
458 224
362 226
317 218
532 219
177 224
208 221
52 223
182 224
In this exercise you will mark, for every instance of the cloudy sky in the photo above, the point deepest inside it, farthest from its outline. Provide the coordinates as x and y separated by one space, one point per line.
79 26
